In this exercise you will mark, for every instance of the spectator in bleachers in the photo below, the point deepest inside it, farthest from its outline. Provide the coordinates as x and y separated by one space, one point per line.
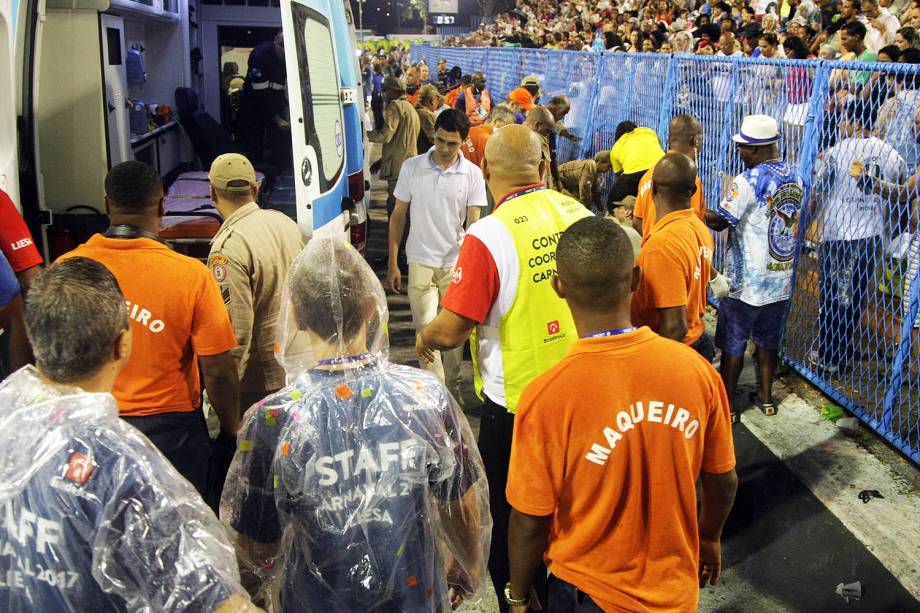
881 20
635 150
905 200
763 210
850 226
907 38
179 326
896 115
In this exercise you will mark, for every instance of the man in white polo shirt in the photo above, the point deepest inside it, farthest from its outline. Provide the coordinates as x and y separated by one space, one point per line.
442 191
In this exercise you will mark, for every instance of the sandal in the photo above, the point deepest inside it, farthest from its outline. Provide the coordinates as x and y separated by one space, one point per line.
767 408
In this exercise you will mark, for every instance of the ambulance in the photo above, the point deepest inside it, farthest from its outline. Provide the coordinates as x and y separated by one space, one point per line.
91 83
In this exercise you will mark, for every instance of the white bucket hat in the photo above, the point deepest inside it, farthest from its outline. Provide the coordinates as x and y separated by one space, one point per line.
757 130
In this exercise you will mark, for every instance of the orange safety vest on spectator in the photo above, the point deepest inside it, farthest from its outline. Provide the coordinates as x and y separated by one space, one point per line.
450 98
522 97
477 111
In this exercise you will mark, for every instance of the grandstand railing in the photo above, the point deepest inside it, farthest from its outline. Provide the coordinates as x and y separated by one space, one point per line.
855 303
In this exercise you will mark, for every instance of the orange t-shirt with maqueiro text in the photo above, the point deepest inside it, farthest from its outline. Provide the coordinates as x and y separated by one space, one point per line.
176 313
615 465
644 208
676 263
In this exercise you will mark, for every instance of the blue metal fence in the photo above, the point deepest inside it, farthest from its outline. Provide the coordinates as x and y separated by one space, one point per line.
853 325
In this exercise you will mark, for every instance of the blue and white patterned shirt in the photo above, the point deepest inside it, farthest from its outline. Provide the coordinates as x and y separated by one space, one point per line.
763 211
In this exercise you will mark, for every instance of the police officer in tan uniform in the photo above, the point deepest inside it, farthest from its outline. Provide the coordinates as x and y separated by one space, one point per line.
581 179
250 257
399 135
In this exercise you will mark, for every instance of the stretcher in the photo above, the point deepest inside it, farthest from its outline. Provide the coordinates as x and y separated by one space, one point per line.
190 218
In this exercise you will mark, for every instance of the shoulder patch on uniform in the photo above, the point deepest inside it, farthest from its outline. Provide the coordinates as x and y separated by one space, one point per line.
218 266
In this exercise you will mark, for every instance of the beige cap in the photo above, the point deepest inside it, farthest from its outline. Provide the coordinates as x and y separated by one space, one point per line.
628 201
530 80
603 157
232 172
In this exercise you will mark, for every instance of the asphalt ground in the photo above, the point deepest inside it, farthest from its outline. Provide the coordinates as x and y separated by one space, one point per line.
783 549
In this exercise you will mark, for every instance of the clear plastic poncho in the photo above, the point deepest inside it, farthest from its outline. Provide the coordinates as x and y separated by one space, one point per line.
93 517
359 486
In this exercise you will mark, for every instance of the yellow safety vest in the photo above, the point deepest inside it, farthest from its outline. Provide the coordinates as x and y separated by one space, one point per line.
538 329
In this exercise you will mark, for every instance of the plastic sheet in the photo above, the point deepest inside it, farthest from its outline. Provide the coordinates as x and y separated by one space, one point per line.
93 518
358 487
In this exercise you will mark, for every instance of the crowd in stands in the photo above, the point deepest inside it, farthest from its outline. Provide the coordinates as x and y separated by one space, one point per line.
797 29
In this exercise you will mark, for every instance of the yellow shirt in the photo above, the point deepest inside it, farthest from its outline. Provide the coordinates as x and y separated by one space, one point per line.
636 151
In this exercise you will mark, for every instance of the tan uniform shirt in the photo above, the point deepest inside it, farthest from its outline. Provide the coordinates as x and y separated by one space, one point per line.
250 258
399 136
426 126
579 179
547 157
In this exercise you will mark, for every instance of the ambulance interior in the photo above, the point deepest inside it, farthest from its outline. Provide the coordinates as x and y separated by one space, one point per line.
104 81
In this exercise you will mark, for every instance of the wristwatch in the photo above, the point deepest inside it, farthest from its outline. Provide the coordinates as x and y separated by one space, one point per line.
514 602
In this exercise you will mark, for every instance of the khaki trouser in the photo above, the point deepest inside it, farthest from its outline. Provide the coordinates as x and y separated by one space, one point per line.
427 285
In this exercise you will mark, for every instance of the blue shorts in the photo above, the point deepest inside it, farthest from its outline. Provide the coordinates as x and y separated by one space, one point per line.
739 321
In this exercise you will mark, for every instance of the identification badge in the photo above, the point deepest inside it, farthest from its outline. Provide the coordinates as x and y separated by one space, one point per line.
481 112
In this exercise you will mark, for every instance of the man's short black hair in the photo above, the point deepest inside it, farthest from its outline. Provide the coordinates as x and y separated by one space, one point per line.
863 114
624 127
132 186
911 55
856 29
452 120
594 260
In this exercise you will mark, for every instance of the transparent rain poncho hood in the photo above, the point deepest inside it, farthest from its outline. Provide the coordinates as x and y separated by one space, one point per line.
358 487
93 517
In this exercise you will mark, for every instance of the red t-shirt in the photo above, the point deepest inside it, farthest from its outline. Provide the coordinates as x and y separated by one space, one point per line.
15 239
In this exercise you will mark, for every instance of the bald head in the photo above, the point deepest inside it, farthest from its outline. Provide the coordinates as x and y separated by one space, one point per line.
684 133
513 156
594 264
541 121
673 183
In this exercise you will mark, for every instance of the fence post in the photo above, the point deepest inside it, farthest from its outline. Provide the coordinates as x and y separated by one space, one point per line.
667 102
587 143
901 362
726 134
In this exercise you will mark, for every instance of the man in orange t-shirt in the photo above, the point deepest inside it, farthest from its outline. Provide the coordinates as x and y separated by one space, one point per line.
676 261
178 323
602 484
685 135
